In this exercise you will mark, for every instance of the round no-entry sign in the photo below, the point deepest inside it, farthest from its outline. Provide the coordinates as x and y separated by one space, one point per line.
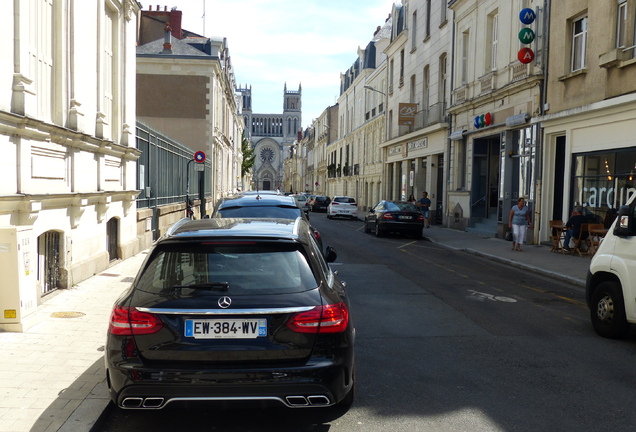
199 157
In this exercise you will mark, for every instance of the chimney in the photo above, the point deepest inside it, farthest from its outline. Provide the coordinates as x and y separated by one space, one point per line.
167 35
175 17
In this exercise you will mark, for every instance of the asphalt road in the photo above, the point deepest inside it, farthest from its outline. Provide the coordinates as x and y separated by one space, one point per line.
447 341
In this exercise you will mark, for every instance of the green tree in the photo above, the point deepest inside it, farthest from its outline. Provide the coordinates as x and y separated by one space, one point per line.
248 156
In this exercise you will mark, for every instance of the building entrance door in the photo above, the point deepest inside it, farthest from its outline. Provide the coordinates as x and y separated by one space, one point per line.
112 238
485 181
49 261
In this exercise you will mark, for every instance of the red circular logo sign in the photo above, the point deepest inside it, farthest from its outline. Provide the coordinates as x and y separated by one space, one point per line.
525 55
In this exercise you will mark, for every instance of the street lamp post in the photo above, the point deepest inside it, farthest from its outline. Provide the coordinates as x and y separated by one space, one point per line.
386 120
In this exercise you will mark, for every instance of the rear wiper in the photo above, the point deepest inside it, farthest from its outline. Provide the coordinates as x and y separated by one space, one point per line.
214 286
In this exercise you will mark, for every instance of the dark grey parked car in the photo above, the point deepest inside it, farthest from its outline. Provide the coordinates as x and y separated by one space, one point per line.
320 203
394 216
233 310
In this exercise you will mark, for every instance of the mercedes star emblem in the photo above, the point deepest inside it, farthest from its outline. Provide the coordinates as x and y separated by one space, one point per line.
225 302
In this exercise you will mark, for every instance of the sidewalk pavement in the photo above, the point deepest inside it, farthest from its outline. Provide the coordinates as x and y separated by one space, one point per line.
52 376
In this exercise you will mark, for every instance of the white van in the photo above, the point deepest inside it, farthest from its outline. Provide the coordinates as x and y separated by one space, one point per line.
611 282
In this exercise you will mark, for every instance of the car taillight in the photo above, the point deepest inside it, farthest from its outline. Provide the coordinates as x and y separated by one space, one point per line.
334 203
420 217
388 216
125 321
321 319
316 235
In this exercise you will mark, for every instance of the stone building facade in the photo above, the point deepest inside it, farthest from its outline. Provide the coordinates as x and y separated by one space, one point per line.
67 118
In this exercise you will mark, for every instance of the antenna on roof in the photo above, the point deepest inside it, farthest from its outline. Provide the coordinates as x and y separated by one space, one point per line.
203 17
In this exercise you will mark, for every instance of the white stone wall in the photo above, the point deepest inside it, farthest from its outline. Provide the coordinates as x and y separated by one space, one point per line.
67 110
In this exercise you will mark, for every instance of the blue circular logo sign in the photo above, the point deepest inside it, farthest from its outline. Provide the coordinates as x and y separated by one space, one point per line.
527 16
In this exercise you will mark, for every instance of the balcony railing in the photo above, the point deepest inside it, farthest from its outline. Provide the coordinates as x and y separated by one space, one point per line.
486 83
519 71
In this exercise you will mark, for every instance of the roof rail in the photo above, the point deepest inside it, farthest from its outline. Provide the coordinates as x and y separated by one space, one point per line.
178 224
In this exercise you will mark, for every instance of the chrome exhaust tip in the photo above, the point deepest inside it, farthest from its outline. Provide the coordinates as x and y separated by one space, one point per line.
318 400
132 402
153 402
297 400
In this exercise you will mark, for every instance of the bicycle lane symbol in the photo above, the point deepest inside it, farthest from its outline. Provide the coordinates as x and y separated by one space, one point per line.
480 296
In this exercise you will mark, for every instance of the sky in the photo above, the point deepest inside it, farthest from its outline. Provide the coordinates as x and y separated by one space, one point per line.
273 42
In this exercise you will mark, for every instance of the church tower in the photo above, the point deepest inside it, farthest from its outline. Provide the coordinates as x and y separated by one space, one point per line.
292 112
271 135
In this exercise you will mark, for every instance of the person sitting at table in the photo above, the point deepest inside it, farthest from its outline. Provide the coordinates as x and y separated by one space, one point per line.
573 226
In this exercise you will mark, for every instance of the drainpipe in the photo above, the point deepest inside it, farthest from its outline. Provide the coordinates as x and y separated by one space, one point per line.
543 100
447 162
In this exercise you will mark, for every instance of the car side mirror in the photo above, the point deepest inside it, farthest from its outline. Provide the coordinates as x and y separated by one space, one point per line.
623 224
370 209
330 254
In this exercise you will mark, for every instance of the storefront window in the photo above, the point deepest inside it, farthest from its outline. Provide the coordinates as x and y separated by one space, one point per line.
603 181
524 154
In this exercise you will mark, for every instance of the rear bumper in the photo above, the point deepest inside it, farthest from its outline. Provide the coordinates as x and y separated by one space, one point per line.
401 226
320 384
344 213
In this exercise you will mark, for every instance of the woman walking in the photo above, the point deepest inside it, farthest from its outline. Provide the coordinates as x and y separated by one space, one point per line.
519 221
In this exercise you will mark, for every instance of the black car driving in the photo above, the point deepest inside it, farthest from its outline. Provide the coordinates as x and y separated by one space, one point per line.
394 216
262 206
233 310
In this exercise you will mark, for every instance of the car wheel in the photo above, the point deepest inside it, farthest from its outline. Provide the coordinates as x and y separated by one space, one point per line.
608 311
378 231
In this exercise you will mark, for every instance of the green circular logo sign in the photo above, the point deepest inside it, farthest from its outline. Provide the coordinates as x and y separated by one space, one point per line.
526 35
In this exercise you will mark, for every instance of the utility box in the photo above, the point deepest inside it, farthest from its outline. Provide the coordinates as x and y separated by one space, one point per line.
18 287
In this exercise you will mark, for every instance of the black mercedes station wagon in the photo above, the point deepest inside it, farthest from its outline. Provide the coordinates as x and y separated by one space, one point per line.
233 310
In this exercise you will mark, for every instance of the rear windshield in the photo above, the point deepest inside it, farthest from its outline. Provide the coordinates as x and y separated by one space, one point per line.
346 200
400 206
258 268
260 212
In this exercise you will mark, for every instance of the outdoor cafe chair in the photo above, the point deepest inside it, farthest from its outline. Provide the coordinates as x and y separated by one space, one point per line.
582 244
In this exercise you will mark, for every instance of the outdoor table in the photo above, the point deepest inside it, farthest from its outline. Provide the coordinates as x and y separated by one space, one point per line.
557 237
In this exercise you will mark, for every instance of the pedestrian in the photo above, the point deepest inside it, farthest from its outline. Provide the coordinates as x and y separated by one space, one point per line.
411 199
518 221
425 205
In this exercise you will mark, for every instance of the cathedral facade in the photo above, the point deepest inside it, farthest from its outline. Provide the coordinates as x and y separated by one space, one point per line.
271 135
